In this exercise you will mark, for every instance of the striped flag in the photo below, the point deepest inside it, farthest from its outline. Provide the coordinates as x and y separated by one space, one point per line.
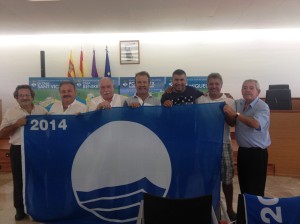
71 70
107 65
81 66
94 67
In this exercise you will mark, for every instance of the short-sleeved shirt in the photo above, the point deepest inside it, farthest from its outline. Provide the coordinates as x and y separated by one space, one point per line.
250 137
74 108
229 102
189 96
117 101
13 114
149 101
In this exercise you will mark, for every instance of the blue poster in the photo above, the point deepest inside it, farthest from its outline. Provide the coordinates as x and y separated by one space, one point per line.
94 167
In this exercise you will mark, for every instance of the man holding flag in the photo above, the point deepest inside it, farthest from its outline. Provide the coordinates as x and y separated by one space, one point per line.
107 98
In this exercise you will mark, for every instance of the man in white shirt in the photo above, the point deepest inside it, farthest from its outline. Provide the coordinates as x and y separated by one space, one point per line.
107 98
68 103
11 125
214 84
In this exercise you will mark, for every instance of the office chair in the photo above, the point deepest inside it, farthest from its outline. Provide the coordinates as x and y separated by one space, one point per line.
279 99
279 86
271 210
159 210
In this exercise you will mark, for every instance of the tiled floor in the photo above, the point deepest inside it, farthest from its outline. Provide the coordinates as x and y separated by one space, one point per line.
276 187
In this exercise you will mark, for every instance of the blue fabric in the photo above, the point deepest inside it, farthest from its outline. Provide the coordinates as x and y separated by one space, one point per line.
74 164
261 210
107 72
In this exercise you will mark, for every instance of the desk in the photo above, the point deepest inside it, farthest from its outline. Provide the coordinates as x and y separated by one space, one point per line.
284 151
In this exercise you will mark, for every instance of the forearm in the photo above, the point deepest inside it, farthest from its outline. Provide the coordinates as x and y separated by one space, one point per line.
249 121
9 130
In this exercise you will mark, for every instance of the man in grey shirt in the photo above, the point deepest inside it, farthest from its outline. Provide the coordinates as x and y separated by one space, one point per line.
142 97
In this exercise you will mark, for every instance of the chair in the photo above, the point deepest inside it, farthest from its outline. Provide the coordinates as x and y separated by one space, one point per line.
159 210
271 210
279 86
278 97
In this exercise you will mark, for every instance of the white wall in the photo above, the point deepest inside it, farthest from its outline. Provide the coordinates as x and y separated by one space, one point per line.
270 56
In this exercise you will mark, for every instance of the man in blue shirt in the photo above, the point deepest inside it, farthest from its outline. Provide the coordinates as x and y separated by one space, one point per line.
252 117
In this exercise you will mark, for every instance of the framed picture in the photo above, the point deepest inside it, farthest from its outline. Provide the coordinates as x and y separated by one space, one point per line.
129 52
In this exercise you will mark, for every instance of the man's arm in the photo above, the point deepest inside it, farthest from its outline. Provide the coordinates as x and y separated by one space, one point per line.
249 121
10 129
166 101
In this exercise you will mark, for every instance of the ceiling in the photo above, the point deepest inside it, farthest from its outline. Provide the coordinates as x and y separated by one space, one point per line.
98 16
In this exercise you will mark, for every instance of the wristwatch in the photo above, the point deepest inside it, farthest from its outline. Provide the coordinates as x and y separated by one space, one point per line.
237 114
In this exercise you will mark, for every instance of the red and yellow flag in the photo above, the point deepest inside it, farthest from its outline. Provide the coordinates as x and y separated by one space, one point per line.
81 66
71 70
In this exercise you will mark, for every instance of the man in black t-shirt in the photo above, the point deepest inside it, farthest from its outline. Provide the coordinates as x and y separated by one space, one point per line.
181 93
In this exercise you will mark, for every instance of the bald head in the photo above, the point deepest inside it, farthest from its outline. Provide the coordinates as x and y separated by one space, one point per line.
106 88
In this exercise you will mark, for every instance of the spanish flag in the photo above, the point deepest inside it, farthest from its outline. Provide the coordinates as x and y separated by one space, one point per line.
71 71
81 66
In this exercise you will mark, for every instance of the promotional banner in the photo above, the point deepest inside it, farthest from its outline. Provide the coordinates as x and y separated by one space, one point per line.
94 167
272 210
46 89
199 82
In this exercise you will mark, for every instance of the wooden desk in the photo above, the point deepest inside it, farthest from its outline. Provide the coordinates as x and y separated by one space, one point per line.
4 155
284 151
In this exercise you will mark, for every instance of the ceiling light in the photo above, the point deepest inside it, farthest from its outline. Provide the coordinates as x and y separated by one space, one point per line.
44 0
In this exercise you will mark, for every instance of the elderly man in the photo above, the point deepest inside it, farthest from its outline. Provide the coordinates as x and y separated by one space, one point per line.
180 92
11 125
252 134
107 98
142 97
68 103
214 85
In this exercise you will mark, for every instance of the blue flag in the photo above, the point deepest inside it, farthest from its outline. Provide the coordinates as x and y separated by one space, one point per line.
94 67
272 210
107 72
99 174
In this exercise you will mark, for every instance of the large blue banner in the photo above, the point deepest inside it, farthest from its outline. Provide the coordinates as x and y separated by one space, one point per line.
94 167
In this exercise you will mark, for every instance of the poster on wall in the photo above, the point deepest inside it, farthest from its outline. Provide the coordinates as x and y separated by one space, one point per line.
46 89
47 93
127 86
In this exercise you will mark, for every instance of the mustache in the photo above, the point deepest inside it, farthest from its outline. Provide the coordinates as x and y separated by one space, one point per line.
67 96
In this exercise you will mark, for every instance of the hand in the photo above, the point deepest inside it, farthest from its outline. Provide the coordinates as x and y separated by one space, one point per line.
168 103
169 90
229 111
134 105
21 122
104 105
228 95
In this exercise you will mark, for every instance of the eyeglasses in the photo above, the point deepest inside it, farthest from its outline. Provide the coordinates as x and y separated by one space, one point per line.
24 95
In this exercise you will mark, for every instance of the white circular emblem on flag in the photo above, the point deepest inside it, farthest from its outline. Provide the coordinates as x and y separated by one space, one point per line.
115 165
